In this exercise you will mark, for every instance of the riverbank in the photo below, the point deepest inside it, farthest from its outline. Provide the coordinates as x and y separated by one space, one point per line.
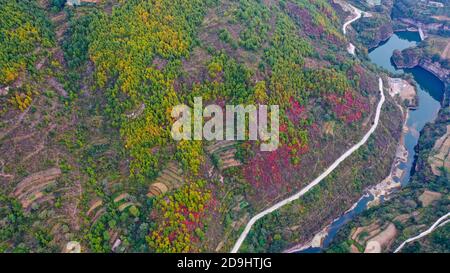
414 57
326 234
406 101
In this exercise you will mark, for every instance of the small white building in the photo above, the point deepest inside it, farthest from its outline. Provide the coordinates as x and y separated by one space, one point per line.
79 2
73 2
436 4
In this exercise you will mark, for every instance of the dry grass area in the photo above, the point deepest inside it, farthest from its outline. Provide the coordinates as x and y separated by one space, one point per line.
362 233
381 241
446 52
94 206
402 218
440 156
31 189
126 205
374 238
169 179
225 152
439 45
428 197
441 17
121 197
125 200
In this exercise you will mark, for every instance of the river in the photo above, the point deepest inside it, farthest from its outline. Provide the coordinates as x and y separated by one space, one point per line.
429 92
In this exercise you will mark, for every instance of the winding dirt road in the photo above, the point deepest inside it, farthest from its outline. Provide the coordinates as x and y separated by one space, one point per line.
358 14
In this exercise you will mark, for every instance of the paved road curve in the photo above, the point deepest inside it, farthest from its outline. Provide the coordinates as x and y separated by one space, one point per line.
426 232
318 179
358 13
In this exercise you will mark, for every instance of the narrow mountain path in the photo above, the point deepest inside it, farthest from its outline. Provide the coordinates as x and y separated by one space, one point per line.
357 14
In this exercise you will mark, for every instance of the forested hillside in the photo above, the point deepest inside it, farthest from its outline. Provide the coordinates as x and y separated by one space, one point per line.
25 30
87 157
